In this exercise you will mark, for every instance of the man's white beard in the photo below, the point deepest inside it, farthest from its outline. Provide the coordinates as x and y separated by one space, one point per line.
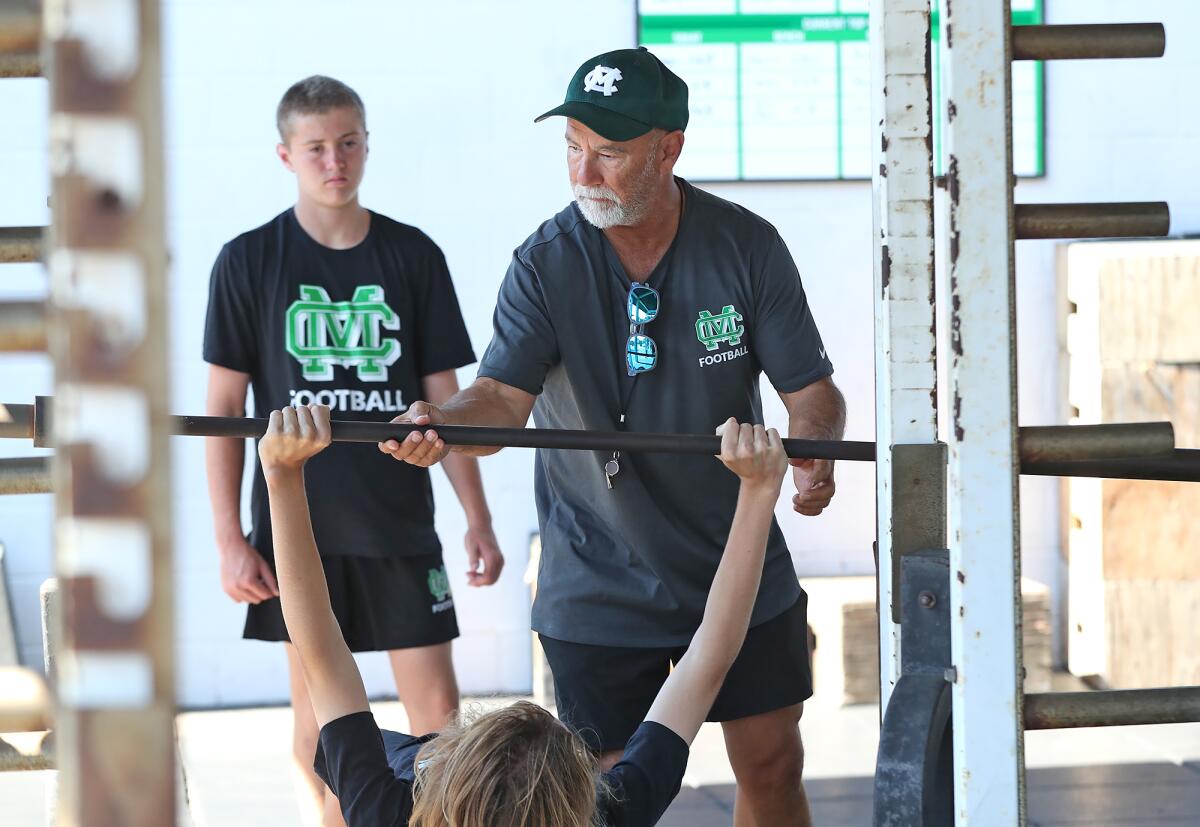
612 212
606 213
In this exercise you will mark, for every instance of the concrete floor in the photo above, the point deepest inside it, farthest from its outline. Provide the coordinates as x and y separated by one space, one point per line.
236 767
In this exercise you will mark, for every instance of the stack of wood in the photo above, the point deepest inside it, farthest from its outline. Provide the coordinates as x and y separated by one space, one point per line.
1132 354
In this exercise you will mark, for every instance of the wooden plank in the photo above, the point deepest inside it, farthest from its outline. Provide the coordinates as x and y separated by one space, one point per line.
860 654
1151 532
1134 355
1153 637
1154 391
1148 307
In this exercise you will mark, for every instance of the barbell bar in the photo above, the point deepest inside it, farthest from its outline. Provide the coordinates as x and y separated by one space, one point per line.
19 245
1088 41
1121 707
25 475
20 39
22 326
20 65
1180 465
342 431
1135 219
16 421
1040 446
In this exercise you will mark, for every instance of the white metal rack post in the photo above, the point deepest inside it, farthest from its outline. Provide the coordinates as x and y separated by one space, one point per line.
984 521
905 340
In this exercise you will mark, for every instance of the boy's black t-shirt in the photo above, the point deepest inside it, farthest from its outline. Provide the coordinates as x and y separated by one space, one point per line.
353 329
370 773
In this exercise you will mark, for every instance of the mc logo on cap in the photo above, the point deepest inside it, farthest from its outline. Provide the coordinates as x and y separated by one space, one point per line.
651 95
602 79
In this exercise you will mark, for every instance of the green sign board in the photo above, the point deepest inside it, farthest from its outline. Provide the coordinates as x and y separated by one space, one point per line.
781 89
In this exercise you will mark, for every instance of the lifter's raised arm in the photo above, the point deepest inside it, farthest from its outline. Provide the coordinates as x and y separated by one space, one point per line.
334 683
484 402
756 455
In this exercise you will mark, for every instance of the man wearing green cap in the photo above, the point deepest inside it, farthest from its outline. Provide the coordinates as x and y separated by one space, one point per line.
650 305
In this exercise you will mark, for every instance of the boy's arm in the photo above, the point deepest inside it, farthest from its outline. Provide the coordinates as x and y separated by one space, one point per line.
334 683
245 576
484 559
682 704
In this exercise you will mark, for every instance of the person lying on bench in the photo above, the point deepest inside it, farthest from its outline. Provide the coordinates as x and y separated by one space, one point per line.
516 766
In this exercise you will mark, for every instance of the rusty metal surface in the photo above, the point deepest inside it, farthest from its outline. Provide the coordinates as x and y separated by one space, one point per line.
43 421
983 501
114 681
24 701
22 326
1118 220
918 492
27 751
902 114
20 65
1088 41
16 421
20 244
914 785
25 475
1122 707
1064 443
20 26
1181 465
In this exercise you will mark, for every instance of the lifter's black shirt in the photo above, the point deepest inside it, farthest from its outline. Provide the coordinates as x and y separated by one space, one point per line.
353 762
354 329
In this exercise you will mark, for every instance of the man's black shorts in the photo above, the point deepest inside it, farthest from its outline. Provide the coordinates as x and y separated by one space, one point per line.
604 692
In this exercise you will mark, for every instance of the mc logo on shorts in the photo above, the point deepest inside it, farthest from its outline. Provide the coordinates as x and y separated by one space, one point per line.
321 333
439 587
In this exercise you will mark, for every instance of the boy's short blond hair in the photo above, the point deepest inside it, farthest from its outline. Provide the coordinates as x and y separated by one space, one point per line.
315 95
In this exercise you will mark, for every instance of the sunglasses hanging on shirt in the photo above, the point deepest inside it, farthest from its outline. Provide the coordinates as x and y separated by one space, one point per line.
641 305
641 353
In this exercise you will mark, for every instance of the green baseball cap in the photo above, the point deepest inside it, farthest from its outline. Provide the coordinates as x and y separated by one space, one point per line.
623 94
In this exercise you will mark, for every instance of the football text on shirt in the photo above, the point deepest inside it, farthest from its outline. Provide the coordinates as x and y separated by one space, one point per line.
321 333
341 399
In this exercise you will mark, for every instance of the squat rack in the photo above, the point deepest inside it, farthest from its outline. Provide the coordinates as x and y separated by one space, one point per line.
104 326
951 746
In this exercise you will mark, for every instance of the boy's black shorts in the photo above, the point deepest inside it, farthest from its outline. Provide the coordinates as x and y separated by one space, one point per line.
381 604
604 692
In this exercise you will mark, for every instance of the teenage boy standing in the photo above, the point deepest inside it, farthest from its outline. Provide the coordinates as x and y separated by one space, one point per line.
330 303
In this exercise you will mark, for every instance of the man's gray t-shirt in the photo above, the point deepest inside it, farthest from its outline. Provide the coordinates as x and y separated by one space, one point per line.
631 566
